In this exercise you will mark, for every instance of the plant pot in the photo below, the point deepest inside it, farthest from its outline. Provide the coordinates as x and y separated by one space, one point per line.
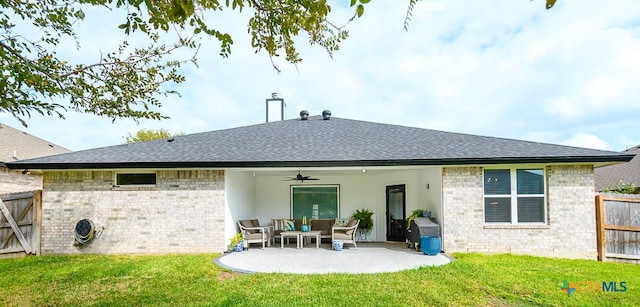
305 228
430 245
337 245
238 247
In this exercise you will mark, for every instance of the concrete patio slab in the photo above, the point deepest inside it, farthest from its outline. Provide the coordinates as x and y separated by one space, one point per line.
367 258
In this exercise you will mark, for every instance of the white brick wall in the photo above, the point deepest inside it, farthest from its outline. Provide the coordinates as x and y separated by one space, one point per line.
571 214
12 181
184 213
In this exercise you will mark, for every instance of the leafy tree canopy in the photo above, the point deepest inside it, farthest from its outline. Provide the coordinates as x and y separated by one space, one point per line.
148 135
128 82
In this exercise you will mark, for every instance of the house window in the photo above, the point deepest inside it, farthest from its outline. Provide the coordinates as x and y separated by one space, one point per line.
315 202
514 196
124 179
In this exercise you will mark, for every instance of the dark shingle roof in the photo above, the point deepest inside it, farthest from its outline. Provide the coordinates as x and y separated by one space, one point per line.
318 142
607 177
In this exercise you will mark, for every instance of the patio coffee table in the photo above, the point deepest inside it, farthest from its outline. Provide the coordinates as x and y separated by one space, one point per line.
290 234
310 234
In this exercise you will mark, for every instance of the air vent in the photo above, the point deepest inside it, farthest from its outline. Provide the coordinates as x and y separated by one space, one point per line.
326 115
304 115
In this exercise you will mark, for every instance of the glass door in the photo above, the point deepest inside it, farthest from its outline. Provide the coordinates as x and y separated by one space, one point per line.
396 223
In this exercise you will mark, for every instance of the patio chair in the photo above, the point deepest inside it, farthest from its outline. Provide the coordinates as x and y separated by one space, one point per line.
254 233
345 233
278 228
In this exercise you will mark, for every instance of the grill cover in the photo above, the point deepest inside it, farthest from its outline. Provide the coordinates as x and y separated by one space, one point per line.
422 226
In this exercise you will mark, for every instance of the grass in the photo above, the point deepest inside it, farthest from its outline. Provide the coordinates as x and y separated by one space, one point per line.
169 280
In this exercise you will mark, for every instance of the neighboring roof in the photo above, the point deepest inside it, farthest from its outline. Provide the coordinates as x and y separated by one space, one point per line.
629 172
318 142
18 145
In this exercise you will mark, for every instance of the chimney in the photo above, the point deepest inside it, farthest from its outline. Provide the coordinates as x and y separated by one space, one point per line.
326 115
275 108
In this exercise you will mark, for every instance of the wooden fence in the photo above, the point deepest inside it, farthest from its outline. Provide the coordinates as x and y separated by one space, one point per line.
618 227
20 221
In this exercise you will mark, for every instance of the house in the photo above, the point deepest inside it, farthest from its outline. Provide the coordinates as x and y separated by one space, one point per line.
18 145
184 194
608 177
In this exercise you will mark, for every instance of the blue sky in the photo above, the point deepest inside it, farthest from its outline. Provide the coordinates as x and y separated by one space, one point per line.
510 68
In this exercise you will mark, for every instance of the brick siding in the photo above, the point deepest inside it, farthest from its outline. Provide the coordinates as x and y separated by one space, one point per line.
12 181
184 213
570 231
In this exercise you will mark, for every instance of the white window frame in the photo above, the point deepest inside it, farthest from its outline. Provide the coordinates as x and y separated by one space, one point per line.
514 195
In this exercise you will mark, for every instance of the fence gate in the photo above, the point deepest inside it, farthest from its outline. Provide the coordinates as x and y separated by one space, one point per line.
20 220
618 227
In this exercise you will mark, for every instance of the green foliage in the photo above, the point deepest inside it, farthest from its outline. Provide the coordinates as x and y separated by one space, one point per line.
188 280
234 241
366 222
550 3
622 188
129 82
148 135
414 214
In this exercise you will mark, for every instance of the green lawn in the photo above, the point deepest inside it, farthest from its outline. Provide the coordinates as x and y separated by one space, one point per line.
473 279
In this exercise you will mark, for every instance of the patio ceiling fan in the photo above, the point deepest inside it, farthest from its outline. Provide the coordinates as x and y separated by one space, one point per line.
301 178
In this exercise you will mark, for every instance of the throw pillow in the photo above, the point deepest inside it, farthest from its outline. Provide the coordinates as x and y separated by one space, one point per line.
341 222
289 225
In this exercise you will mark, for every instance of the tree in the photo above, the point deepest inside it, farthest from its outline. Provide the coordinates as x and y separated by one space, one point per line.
148 135
128 82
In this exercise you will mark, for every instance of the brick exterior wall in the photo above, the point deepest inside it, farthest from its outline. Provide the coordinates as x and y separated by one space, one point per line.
570 211
184 213
12 181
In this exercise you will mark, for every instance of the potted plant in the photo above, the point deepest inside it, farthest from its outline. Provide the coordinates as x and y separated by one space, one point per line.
366 222
414 214
236 243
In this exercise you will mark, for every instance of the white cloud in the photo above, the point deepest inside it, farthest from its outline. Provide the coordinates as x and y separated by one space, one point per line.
502 68
586 140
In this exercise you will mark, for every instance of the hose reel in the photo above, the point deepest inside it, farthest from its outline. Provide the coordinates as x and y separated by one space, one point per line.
85 231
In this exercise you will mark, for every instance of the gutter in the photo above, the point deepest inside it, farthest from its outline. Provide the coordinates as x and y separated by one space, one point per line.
341 163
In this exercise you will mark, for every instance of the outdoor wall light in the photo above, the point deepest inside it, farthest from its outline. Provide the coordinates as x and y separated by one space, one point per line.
26 172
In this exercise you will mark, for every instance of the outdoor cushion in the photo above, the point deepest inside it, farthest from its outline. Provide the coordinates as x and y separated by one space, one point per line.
341 236
248 224
341 222
253 236
255 223
351 223
289 225
322 225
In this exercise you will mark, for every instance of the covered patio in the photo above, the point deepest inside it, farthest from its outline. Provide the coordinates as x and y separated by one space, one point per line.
368 258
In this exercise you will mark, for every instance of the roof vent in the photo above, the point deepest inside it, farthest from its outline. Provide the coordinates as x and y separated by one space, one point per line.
304 115
326 114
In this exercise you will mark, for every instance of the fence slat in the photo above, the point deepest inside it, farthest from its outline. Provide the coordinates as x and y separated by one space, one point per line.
14 226
618 227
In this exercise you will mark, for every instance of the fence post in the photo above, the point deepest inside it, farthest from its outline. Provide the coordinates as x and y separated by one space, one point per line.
600 231
37 221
